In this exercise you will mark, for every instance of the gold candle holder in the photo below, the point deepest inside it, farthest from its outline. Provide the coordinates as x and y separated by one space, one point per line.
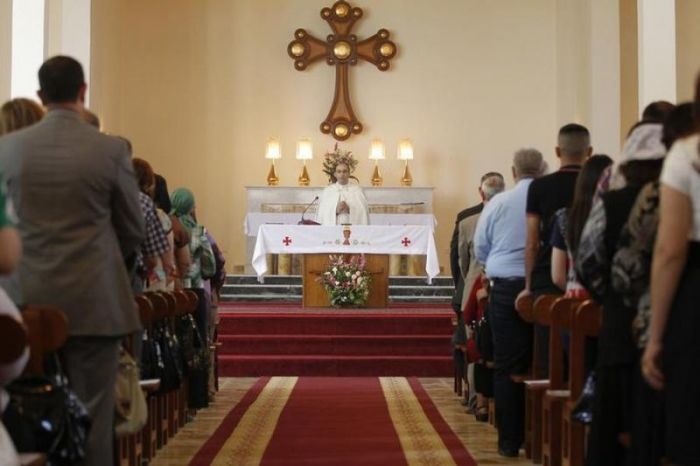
376 153
304 179
377 179
272 178
406 179
273 152
304 152
405 153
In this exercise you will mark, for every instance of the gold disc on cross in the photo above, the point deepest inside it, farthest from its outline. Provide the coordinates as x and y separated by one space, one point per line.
341 130
342 49
387 49
342 10
298 49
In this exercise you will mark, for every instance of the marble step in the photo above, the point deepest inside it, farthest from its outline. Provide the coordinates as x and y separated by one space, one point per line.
296 280
289 289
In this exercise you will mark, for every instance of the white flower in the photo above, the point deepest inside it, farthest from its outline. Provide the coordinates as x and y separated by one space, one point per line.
335 269
347 274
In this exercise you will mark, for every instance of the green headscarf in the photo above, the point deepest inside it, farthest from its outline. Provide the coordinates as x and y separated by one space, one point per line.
182 201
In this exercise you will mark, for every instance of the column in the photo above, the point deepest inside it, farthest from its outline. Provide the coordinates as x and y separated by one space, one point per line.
27 47
5 49
588 69
604 71
656 51
68 31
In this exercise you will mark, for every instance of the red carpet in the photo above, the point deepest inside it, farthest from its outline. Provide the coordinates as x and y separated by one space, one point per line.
334 421
336 343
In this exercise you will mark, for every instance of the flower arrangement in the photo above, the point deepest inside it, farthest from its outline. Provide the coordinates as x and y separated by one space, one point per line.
346 282
331 159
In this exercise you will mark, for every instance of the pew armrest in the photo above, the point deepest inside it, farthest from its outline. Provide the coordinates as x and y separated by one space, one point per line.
149 385
539 384
32 459
561 394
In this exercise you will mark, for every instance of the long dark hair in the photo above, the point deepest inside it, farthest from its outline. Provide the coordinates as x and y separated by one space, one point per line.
586 184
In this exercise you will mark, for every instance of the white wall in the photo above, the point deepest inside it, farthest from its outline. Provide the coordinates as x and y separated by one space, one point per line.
472 82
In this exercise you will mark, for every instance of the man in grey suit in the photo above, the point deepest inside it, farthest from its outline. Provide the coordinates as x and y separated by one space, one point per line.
79 218
492 184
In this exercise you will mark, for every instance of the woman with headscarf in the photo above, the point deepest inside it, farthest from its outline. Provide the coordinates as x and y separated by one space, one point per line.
202 266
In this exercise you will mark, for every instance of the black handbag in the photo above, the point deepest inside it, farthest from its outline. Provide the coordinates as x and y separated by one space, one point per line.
44 415
151 359
171 376
583 410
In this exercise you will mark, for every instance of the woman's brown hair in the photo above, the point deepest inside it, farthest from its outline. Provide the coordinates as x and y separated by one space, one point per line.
18 113
145 177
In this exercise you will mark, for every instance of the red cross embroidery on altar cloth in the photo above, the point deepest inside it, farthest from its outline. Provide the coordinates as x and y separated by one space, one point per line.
405 242
287 240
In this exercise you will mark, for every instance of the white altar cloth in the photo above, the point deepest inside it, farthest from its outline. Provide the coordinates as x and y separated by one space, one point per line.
253 220
368 239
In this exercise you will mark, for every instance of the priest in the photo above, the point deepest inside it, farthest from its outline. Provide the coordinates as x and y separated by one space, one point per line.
341 202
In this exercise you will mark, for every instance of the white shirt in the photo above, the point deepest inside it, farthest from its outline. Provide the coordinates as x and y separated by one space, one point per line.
353 197
680 172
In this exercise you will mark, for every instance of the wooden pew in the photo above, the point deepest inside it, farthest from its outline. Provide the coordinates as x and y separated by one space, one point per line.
155 438
133 450
172 398
47 328
587 321
13 339
536 383
561 317
46 331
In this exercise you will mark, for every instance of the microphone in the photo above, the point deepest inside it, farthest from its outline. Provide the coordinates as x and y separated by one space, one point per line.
303 221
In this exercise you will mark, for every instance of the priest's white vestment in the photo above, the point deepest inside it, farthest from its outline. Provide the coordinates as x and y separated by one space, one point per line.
353 196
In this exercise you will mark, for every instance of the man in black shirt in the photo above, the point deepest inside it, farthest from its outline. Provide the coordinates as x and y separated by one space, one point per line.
545 196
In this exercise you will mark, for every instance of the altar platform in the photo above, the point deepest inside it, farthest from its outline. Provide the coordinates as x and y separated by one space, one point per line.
285 205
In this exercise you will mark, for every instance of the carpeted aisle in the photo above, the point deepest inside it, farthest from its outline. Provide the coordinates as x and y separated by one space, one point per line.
343 421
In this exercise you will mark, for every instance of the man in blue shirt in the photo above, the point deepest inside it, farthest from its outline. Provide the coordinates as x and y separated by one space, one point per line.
499 243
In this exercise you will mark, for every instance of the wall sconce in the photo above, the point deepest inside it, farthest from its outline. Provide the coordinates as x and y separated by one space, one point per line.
405 153
376 153
273 152
304 152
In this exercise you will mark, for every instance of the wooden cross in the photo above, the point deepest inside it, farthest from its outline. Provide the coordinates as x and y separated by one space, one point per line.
340 50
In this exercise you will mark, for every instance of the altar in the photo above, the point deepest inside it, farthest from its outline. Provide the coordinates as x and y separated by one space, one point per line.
318 240
389 206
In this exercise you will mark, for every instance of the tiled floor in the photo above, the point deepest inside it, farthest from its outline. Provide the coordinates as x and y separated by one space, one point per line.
479 438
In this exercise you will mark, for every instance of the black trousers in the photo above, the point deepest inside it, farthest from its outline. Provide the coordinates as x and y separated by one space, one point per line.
681 359
612 415
512 345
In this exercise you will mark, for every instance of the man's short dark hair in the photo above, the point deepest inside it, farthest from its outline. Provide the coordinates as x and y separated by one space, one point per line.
573 128
490 175
60 79
574 140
